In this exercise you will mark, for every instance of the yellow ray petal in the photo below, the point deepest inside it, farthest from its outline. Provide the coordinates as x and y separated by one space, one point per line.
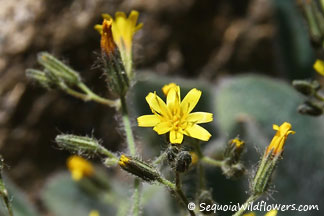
98 28
166 88
275 127
148 120
197 132
319 66
133 16
106 16
200 117
156 104
173 100
176 137
249 214
138 27
162 128
271 213
190 100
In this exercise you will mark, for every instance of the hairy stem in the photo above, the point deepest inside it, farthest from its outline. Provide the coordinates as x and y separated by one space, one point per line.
252 198
136 194
211 161
132 150
201 170
94 97
181 195
128 129
160 158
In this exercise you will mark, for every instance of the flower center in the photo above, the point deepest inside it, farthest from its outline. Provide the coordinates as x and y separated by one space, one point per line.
177 122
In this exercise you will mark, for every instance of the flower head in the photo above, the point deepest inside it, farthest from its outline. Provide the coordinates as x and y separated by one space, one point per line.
79 167
319 66
280 137
270 159
123 30
238 143
174 116
138 168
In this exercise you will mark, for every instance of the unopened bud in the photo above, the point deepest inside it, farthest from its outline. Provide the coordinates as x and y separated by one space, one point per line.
80 144
234 150
311 108
270 159
304 87
113 67
58 69
183 161
172 152
138 168
41 78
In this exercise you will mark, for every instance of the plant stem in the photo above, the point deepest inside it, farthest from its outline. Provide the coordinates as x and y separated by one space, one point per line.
132 150
137 193
89 96
211 161
243 208
201 173
167 183
160 158
108 153
128 129
94 97
201 170
8 205
181 194
176 188
3 190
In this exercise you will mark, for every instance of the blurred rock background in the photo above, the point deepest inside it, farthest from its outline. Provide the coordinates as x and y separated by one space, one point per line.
198 39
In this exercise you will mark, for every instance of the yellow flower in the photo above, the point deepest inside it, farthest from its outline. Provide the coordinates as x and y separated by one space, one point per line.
249 214
123 30
79 167
94 213
272 213
174 116
319 66
238 143
280 137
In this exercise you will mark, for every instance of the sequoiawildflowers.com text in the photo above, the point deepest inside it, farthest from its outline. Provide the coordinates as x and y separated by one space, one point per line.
254 206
